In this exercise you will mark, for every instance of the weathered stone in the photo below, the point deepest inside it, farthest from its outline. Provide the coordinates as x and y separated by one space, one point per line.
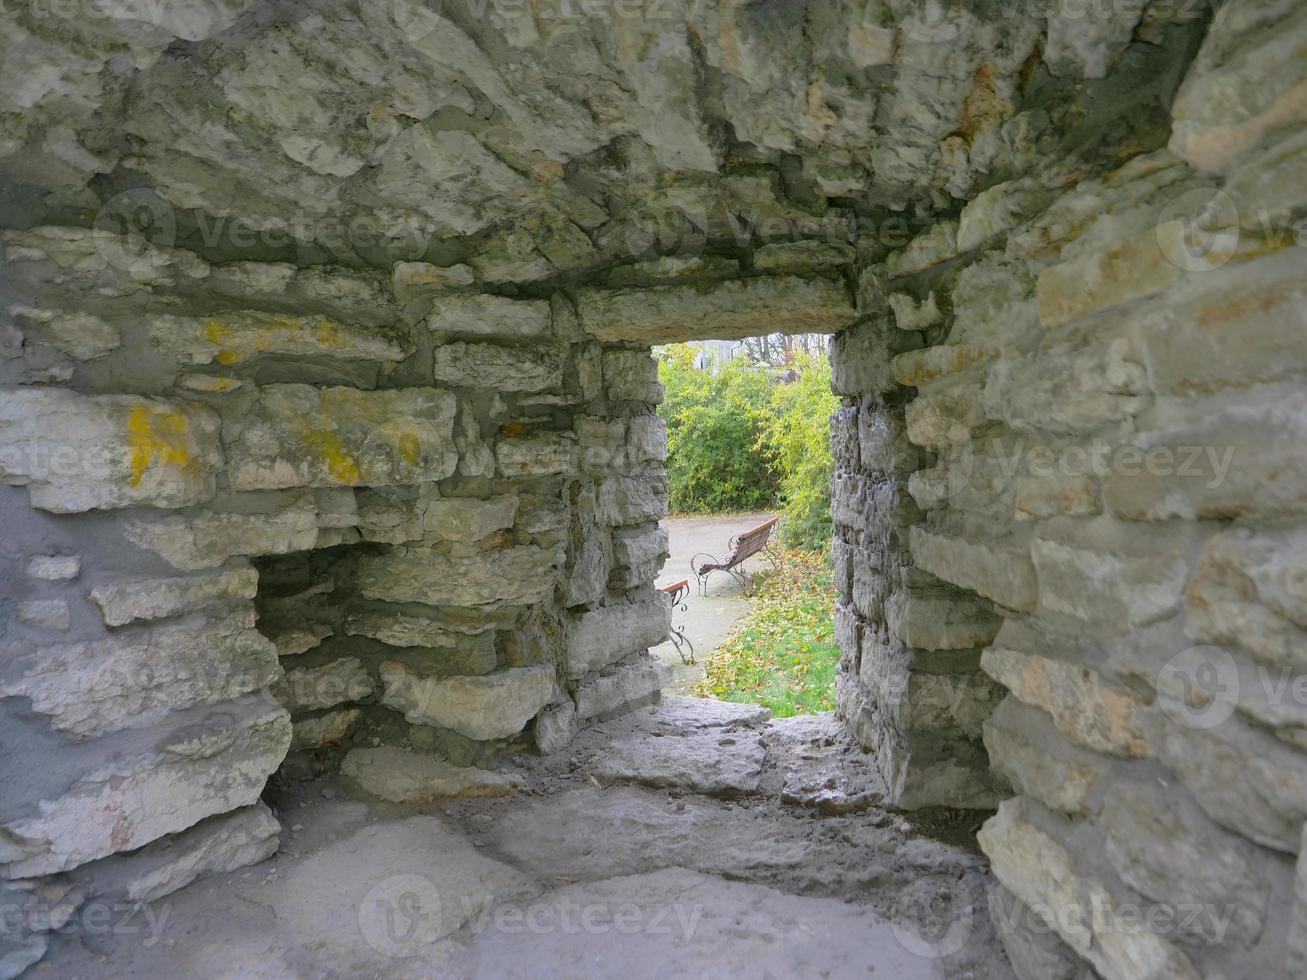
1080 43
468 519
940 618
910 314
639 553
413 282
1032 948
418 573
631 375
216 845
475 457
485 707
933 246
483 315
920 367
324 686
229 338
299 435
1065 391
604 636
1244 779
206 538
1044 874
54 568
397 776
1170 855
94 687
1296 961
1099 586
860 358
1024 746
1084 708
542 455
726 310
504 368
801 257
623 500
294 639
646 439
1251 588
156 598
159 781
715 763
673 268
944 418
555 727
322 731
50 614
996 571
398 630
83 336
636 682
80 452
601 443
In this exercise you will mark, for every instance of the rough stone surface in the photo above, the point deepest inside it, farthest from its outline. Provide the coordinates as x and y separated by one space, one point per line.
489 706
391 774
604 636
121 603
714 763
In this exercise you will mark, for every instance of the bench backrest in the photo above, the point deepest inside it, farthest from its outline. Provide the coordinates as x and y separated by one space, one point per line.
752 541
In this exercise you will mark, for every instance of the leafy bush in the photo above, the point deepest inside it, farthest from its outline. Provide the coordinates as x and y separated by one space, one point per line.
716 461
743 439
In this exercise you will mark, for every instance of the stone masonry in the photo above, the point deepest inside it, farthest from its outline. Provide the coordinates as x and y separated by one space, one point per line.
329 434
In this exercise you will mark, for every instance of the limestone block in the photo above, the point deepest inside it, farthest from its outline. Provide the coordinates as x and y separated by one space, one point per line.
51 614
475 457
921 367
156 598
1250 588
235 336
1106 587
999 209
483 315
625 686
944 418
673 268
1237 91
82 336
936 244
541 455
844 437
1044 874
292 639
216 845
157 781
299 435
555 727
714 763
1239 456
324 730
1084 707
417 573
1245 779
913 314
324 686
54 568
416 284
1084 43
1000 572
1033 949
727 310
1173 856
462 650
639 553
1118 273
1234 326
1067 391
588 578
399 776
801 257
604 636
861 357
940 618
207 538
485 707
638 499
462 365
468 519
93 687
80 452
601 443
631 375
1025 746
646 440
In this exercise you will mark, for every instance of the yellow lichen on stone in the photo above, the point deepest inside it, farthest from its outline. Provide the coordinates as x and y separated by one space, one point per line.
157 437
342 464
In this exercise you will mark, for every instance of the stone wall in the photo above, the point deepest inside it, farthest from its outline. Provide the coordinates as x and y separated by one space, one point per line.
1069 552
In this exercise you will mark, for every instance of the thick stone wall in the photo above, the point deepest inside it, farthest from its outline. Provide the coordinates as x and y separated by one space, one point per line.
1068 499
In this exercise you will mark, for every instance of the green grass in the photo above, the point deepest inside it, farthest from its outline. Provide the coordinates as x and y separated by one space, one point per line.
783 653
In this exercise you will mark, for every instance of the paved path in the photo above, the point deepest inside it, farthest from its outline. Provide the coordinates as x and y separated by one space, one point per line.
709 618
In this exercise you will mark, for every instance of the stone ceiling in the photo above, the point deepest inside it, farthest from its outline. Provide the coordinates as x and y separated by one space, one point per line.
533 138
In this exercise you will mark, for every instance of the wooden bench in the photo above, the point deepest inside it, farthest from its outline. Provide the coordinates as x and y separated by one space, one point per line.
679 591
743 547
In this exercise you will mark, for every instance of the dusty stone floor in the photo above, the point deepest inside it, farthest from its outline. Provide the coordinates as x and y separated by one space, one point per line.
693 838
708 620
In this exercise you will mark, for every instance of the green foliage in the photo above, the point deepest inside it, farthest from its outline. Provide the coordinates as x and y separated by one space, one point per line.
715 427
742 439
783 653
798 438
